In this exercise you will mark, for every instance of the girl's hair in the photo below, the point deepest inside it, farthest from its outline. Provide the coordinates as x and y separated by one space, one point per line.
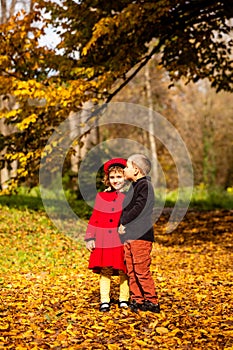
116 169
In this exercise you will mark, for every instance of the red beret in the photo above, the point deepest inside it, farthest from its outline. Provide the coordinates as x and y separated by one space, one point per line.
121 162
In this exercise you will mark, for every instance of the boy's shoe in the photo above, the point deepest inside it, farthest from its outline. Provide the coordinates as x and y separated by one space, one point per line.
104 307
134 306
123 304
149 306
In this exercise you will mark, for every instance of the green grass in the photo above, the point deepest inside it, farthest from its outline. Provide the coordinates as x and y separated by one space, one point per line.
203 198
32 200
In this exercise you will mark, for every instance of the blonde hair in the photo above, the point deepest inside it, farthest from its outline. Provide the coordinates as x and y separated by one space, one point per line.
116 169
142 162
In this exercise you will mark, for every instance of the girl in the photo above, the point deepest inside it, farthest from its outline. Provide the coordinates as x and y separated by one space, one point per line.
102 238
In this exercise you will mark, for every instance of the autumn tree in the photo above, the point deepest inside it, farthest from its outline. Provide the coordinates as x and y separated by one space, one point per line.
102 46
8 102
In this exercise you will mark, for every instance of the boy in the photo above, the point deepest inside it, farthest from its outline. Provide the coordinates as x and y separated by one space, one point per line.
136 232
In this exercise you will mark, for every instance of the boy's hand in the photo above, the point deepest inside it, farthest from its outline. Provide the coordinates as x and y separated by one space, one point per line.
121 229
90 245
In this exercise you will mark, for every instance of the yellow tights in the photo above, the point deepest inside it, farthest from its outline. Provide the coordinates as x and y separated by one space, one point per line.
105 283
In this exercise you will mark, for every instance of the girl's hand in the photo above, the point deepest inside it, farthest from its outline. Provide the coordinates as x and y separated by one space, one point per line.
121 229
90 245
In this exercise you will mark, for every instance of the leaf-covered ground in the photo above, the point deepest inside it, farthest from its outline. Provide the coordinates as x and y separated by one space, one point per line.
49 300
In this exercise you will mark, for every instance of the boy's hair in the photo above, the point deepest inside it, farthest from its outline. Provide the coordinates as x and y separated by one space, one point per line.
142 162
116 169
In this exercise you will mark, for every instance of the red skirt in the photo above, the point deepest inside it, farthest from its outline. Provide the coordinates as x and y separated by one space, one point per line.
107 257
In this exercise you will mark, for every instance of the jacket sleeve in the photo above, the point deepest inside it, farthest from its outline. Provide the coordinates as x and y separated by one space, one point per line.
131 212
93 223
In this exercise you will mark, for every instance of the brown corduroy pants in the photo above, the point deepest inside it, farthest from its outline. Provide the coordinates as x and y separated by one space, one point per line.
138 260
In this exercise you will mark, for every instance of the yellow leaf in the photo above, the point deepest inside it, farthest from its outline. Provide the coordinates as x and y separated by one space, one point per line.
97 327
176 331
141 342
4 326
90 335
25 123
84 51
153 324
13 113
50 331
161 330
113 347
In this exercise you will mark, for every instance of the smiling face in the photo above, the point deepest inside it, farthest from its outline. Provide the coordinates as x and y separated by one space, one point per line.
116 179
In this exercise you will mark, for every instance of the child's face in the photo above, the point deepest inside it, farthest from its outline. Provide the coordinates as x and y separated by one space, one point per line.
116 179
129 171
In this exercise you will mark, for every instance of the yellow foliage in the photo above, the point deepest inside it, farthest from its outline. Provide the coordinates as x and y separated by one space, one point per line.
48 295
11 114
230 190
3 59
25 123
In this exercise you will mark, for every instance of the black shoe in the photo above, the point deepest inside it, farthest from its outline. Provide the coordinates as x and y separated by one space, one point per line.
149 306
134 306
123 304
104 307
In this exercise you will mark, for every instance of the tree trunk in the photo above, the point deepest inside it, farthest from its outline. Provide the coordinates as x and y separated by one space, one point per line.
78 127
154 171
7 102
3 17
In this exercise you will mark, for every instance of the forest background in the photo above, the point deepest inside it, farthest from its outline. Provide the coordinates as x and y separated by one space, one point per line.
184 73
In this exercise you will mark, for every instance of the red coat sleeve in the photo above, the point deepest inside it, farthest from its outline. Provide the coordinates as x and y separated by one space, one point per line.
93 222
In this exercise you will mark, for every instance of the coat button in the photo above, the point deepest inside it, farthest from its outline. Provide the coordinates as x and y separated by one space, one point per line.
113 209
109 231
111 220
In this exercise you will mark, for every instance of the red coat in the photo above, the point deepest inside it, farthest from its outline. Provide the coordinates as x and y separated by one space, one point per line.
102 227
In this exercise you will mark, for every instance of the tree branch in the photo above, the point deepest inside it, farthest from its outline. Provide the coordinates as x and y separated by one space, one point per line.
130 77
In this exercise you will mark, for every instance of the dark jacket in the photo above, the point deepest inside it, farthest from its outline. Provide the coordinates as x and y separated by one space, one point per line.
137 211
